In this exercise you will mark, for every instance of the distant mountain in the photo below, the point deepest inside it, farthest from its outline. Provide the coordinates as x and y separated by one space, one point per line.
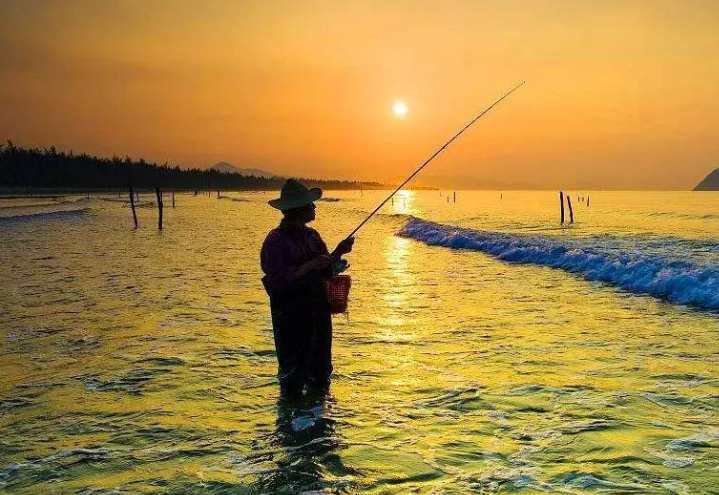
231 169
710 182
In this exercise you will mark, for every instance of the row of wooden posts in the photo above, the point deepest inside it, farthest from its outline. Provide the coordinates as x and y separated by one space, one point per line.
135 198
454 196
580 199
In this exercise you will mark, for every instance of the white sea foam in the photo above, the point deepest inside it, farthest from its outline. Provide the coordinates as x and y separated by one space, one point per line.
678 281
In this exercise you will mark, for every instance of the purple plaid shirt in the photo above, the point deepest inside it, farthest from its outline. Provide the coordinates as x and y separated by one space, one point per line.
285 248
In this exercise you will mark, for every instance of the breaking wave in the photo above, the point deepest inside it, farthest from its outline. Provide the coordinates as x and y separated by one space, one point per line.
680 282
48 215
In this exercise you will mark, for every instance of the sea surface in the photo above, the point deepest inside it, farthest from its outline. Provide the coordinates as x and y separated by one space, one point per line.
487 348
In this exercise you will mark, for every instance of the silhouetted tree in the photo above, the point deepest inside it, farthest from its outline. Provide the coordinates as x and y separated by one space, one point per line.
49 168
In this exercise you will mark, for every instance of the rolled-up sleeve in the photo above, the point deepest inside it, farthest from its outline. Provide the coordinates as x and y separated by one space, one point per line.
276 264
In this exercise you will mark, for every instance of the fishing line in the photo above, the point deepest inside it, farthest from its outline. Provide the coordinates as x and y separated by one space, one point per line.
427 162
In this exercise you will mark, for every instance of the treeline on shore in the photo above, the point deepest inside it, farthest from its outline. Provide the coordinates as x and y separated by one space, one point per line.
48 168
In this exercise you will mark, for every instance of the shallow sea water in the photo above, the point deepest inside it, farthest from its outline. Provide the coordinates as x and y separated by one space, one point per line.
487 349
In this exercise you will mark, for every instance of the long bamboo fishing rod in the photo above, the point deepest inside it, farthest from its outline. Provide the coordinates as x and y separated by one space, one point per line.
419 169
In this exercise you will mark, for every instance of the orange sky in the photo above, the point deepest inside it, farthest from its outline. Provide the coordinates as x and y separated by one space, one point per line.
619 94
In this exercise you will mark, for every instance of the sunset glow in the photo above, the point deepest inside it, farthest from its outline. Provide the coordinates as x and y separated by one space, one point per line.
362 247
618 95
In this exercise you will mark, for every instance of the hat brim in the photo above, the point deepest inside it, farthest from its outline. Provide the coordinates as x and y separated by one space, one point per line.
288 203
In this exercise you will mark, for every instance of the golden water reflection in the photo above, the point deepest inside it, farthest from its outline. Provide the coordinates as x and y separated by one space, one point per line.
404 203
153 371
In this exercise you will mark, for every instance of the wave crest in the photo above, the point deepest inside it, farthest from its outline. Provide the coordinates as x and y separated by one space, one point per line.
677 281
47 215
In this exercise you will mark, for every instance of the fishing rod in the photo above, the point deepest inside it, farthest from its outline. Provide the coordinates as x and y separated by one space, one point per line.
419 169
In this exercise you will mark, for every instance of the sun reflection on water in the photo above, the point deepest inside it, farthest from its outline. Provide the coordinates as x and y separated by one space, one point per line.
403 203
400 279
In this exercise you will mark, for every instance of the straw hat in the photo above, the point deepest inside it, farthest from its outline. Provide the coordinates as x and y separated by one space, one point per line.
295 194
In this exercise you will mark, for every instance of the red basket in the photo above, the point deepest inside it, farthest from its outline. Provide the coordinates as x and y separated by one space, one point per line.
338 291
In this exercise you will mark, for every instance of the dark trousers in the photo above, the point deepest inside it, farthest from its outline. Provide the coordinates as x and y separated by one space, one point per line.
303 341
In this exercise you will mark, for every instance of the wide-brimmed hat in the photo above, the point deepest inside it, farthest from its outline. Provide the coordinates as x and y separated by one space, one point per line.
295 194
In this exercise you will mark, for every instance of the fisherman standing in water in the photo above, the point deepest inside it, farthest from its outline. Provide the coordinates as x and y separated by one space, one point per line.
296 264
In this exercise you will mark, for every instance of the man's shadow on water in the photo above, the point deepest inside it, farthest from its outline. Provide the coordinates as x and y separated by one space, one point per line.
307 442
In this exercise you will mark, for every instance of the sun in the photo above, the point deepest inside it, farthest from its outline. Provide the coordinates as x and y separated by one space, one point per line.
399 108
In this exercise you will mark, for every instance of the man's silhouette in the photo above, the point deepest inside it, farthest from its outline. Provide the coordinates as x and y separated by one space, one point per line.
296 264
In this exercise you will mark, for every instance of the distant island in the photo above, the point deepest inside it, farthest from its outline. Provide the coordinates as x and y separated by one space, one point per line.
710 182
33 168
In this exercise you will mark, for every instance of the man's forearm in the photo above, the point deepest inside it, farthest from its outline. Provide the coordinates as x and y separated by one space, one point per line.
302 271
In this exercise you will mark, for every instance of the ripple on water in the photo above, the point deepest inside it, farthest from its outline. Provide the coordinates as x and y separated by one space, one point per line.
24 334
380 467
503 479
134 381
163 361
671 460
241 354
458 399
581 426
540 389
16 402
588 481
700 441
51 468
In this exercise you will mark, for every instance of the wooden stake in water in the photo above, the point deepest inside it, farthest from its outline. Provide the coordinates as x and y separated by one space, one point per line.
173 198
132 205
159 207
561 207
571 212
